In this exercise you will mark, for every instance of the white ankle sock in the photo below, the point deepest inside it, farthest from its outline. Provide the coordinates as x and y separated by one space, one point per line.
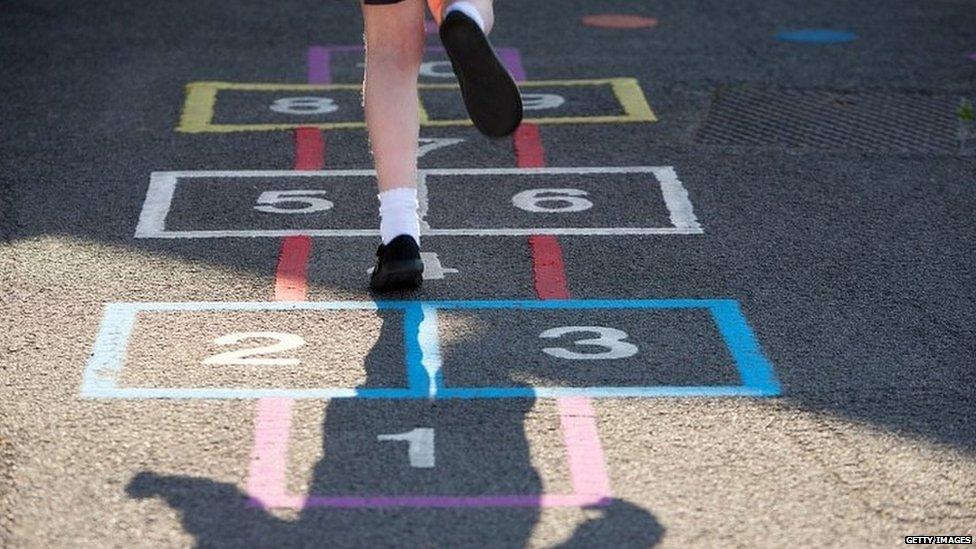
398 214
467 8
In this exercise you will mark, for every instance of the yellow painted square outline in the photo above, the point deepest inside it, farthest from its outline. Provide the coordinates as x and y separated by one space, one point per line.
201 97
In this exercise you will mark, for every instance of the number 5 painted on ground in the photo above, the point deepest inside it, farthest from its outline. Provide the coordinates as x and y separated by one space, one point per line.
611 339
268 200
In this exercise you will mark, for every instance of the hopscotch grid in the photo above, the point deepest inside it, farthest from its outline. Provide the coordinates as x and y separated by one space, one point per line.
423 353
201 100
162 188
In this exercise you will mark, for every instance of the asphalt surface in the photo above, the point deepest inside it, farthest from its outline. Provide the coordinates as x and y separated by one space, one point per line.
853 265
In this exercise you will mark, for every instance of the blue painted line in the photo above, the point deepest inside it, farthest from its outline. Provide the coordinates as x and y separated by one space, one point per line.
417 381
663 391
466 393
218 393
755 370
108 356
816 36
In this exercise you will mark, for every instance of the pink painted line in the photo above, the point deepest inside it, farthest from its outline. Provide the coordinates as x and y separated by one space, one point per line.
587 469
269 456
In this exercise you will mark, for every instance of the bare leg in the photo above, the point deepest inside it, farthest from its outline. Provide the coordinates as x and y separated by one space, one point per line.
394 50
484 7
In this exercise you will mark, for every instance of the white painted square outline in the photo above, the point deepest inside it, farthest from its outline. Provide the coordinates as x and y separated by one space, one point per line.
162 186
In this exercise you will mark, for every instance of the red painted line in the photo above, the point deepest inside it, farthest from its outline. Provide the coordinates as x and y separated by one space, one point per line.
309 149
291 277
619 21
548 269
529 152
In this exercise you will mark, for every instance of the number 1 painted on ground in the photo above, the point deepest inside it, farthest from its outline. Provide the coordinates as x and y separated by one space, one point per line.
421 449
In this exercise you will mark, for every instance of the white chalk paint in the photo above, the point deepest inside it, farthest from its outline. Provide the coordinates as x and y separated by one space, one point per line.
420 451
610 339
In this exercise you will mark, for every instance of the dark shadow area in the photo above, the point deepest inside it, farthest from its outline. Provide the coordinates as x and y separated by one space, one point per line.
481 448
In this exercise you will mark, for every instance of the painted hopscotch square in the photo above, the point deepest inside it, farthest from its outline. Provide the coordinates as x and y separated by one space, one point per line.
266 349
520 202
221 350
590 348
332 106
512 482
756 376
423 366
335 448
559 200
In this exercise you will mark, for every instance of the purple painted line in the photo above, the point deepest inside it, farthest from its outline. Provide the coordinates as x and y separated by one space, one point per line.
513 61
320 60
319 65
973 56
376 502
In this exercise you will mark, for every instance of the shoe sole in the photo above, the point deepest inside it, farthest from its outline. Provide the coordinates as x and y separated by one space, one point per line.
489 91
399 275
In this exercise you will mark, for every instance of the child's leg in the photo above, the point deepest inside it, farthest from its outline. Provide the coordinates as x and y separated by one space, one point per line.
394 50
488 89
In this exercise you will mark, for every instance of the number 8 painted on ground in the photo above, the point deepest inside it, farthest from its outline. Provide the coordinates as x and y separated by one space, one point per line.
610 338
304 105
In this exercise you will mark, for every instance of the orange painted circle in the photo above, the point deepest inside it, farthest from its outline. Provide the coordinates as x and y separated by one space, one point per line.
619 21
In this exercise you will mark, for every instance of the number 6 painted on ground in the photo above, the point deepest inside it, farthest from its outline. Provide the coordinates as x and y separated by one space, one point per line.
532 200
610 338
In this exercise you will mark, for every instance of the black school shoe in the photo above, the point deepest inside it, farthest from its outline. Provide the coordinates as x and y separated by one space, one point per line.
489 91
398 266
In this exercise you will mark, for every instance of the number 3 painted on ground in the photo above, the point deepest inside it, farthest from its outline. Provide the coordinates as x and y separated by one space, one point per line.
610 338
286 342
304 105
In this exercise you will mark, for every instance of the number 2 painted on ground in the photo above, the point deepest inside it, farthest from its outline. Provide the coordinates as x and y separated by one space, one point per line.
286 342
611 339
421 449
